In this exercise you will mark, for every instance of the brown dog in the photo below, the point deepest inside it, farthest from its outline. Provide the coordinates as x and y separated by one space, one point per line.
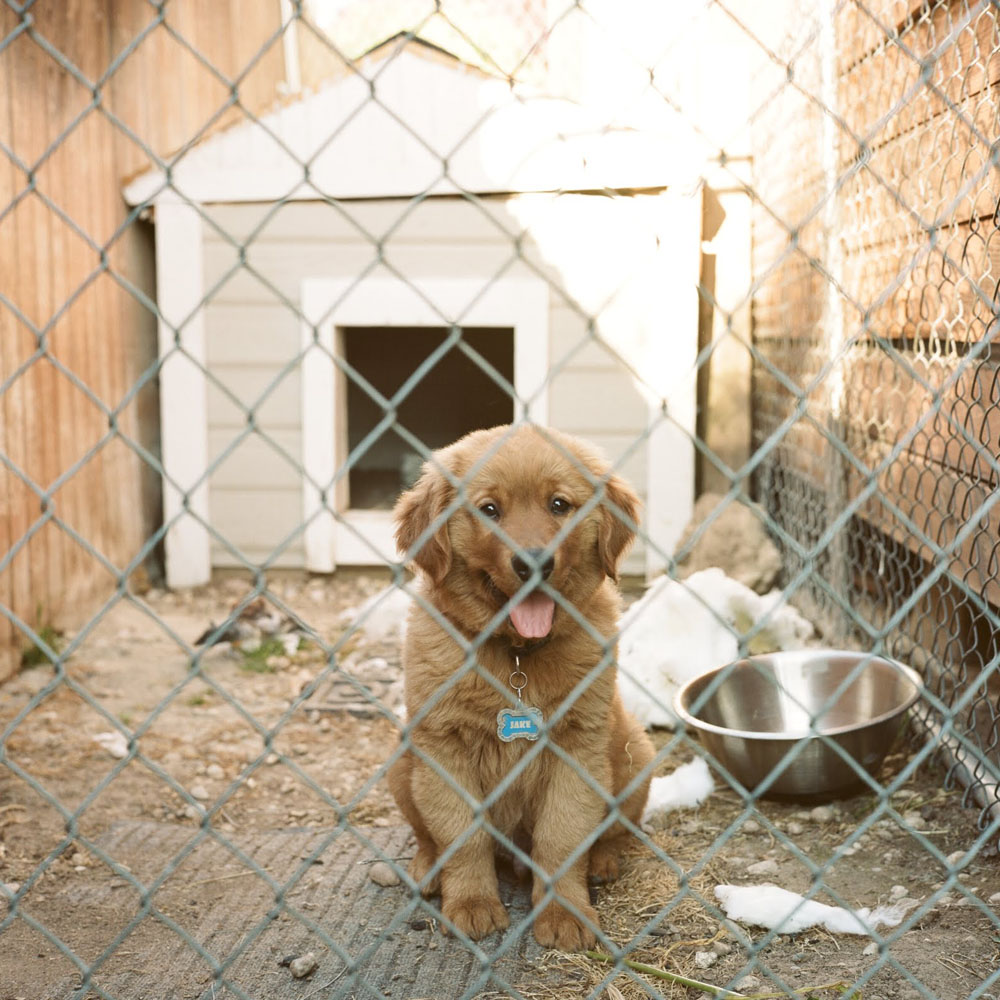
537 487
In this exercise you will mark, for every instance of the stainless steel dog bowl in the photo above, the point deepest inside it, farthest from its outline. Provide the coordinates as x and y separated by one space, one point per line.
750 714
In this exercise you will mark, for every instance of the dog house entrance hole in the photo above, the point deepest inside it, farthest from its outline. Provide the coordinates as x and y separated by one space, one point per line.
452 398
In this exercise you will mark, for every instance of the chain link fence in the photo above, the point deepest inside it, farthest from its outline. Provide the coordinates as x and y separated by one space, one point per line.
750 250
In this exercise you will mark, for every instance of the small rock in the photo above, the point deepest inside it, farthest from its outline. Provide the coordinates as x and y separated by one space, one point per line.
661 929
748 984
372 669
822 814
114 743
897 892
300 749
11 887
767 867
736 541
954 859
751 826
914 820
795 829
420 924
304 965
994 900
705 959
382 874
722 948
199 792
214 772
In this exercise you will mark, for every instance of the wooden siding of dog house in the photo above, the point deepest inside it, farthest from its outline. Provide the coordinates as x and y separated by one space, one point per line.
252 337
64 229
917 259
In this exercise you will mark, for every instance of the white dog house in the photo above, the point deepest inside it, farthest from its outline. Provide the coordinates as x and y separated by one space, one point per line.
352 231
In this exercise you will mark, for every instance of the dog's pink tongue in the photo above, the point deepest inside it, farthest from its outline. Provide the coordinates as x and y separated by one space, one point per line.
533 616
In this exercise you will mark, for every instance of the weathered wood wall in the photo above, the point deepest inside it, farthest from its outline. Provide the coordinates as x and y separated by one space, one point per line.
77 336
878 292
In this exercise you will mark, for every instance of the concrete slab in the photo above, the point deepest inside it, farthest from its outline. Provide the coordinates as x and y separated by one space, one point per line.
221 918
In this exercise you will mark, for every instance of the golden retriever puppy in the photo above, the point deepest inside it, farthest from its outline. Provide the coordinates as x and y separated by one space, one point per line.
502 661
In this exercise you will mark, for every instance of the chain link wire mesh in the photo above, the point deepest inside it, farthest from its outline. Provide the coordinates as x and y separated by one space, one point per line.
860 139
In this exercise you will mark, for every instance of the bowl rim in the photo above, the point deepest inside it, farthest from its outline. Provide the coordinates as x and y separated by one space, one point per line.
753 734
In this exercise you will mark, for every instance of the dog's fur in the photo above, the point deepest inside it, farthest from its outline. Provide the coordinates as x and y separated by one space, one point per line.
468 576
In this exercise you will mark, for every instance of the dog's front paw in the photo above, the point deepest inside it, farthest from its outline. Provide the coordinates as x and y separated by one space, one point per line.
476 916
420 867
603 864
556 927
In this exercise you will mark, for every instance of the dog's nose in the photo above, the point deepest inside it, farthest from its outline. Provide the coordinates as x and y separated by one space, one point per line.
525 567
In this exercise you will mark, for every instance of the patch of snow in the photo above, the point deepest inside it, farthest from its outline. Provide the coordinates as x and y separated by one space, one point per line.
686 788
382 618
679 630
775 908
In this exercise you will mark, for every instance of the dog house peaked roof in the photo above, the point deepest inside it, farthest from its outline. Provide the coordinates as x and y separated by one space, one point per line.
412 119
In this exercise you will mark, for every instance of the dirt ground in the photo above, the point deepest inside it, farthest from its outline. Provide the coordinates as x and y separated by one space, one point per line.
229 731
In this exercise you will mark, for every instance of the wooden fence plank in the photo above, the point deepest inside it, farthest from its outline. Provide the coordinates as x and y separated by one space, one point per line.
956 402
968 62
46 423
32 230
943 171
9 430
861 27
941 505
943 290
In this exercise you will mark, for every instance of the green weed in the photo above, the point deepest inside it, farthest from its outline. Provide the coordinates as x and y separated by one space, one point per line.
255 660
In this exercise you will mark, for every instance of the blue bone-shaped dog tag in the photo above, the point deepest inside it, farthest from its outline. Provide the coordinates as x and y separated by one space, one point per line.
521 723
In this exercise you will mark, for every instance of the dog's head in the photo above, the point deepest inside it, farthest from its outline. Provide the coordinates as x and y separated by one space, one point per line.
530 505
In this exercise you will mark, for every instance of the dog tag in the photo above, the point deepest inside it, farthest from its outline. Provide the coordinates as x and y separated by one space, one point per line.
521 723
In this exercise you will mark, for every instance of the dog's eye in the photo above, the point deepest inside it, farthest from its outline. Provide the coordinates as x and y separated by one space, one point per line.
559 505
491 510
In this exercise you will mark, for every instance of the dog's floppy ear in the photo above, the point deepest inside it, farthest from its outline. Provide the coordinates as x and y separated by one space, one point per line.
616 536
415 511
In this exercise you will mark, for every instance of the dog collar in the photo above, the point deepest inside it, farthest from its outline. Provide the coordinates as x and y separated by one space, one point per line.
520 722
